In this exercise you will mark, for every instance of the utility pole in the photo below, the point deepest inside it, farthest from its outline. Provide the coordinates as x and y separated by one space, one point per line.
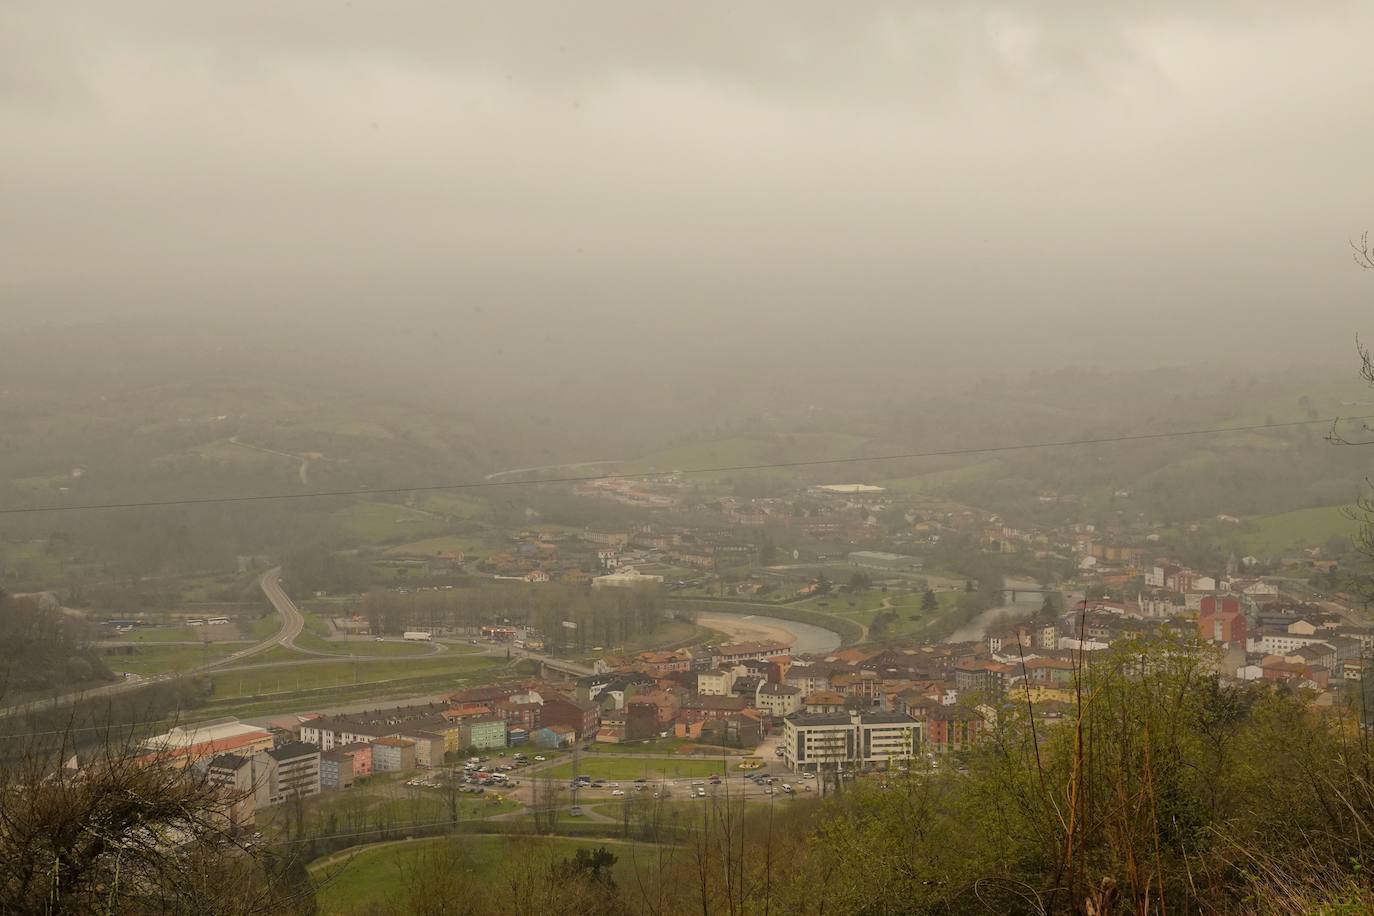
577 759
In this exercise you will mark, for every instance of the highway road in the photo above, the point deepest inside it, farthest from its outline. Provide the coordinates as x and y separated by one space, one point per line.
292 620
498 649
292 625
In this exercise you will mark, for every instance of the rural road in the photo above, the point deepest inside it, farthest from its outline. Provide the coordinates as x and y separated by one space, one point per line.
304 460
497 475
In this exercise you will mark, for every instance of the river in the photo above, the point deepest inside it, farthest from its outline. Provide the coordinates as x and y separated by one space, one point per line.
1026 604
803 637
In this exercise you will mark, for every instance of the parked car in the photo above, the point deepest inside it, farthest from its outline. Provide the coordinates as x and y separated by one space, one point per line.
618 792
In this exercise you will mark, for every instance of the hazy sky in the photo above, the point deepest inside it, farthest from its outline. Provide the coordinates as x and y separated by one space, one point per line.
1088 177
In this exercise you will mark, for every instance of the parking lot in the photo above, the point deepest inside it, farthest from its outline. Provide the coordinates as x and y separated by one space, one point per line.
610 777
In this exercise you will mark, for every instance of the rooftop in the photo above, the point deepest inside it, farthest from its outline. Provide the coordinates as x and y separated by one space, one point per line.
875 717
227 733
292 751
740 648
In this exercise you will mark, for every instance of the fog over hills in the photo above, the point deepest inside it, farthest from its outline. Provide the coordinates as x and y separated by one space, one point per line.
537 200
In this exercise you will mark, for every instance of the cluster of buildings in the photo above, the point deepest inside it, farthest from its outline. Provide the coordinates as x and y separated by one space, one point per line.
256 768
609 557
1122 556
723 694
847 710
300 756
864 706
1259 637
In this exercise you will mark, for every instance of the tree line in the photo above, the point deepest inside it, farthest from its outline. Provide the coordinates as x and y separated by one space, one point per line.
598 617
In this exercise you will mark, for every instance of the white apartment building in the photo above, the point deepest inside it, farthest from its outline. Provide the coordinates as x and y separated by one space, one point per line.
778 699
808 679
1278 642
718 683
326 734
848 740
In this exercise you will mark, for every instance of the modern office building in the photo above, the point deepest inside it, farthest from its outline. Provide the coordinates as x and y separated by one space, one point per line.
848 740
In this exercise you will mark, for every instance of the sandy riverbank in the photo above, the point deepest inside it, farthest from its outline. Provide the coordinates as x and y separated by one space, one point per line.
802 637
747 629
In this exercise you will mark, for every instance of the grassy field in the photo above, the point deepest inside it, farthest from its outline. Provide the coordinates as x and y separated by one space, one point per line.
1268 535
392 649
454 504
373 693
940 481
352 884
648 768
251 682
263 627
312 638
149 660
181 634
1330 399
670 633
41 483
746 450
30 562
359 429
278 654
428 547
660 748
376 522
863 606
683 808
383 797
669 810
226 452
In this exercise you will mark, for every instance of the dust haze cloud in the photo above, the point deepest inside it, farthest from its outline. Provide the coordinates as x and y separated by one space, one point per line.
580 191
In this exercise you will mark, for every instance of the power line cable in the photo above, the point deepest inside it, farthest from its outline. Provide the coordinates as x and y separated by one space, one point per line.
719 469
